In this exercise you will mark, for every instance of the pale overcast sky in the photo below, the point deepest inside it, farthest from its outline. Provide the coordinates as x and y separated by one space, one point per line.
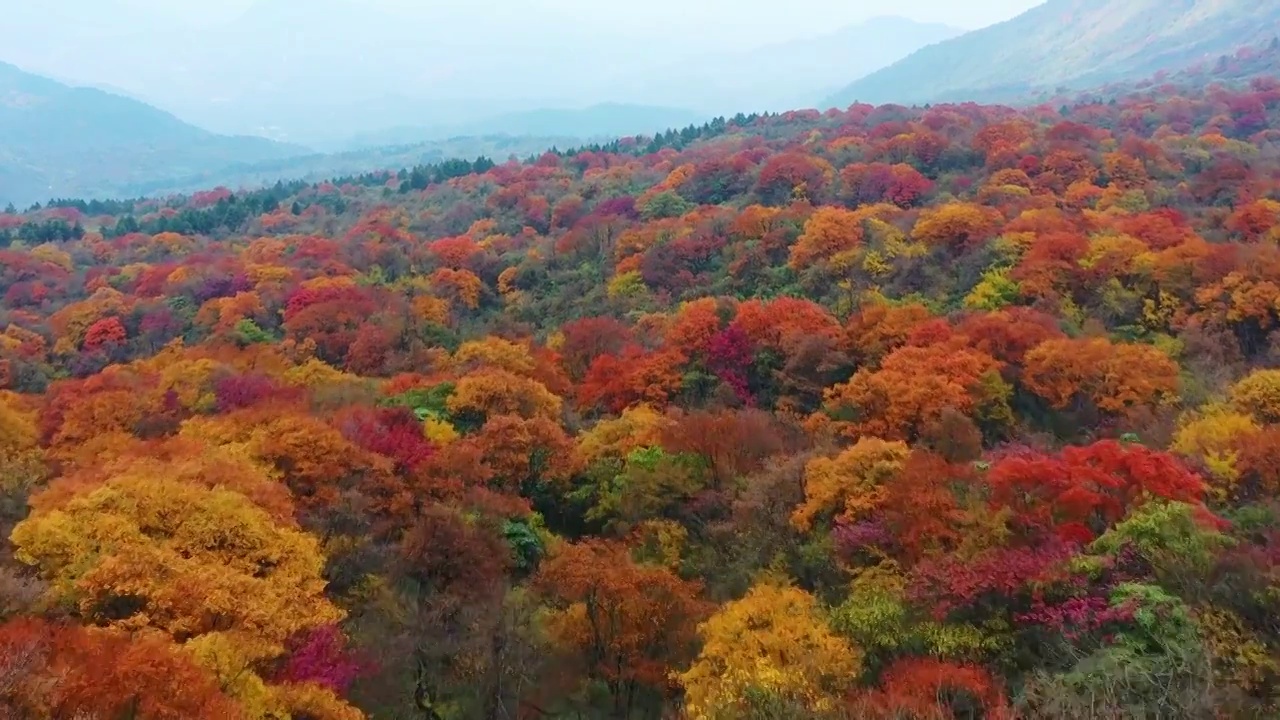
789 17
244 65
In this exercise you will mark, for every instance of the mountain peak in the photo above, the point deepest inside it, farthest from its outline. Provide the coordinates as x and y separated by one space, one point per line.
898 21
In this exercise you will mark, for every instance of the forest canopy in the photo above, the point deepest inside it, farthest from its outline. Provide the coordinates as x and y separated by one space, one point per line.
907 413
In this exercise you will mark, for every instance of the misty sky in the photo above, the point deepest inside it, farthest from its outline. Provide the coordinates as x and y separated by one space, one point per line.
306 68
751 20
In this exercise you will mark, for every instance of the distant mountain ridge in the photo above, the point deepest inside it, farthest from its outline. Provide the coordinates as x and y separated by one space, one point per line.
57 140
603 121
1068 44
319 167
317 73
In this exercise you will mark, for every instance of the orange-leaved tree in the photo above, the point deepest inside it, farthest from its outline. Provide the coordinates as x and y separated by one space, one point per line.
50 670
625 624
913 387
1113 377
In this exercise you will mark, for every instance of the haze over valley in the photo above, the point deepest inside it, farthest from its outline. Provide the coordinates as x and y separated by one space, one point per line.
338 77
318 72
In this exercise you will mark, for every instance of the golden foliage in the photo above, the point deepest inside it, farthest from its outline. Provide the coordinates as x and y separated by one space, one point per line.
500 392
639 426
1259 395
849 484
1214 437
190 559
775 640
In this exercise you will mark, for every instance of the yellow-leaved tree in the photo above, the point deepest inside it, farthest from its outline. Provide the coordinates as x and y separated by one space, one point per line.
1214 436
850 484
1259 395
639 426
144 552
17 427
499 392
774 645
495 352
208 567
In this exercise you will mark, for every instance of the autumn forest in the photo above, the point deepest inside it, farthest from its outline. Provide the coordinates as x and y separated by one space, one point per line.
957 411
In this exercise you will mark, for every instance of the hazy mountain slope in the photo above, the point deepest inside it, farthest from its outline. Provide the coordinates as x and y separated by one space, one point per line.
1068 43
57 140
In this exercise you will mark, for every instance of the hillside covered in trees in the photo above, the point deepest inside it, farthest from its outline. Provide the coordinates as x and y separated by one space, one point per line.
912 414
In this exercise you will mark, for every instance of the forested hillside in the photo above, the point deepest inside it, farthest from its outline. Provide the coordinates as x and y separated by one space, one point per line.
888 413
